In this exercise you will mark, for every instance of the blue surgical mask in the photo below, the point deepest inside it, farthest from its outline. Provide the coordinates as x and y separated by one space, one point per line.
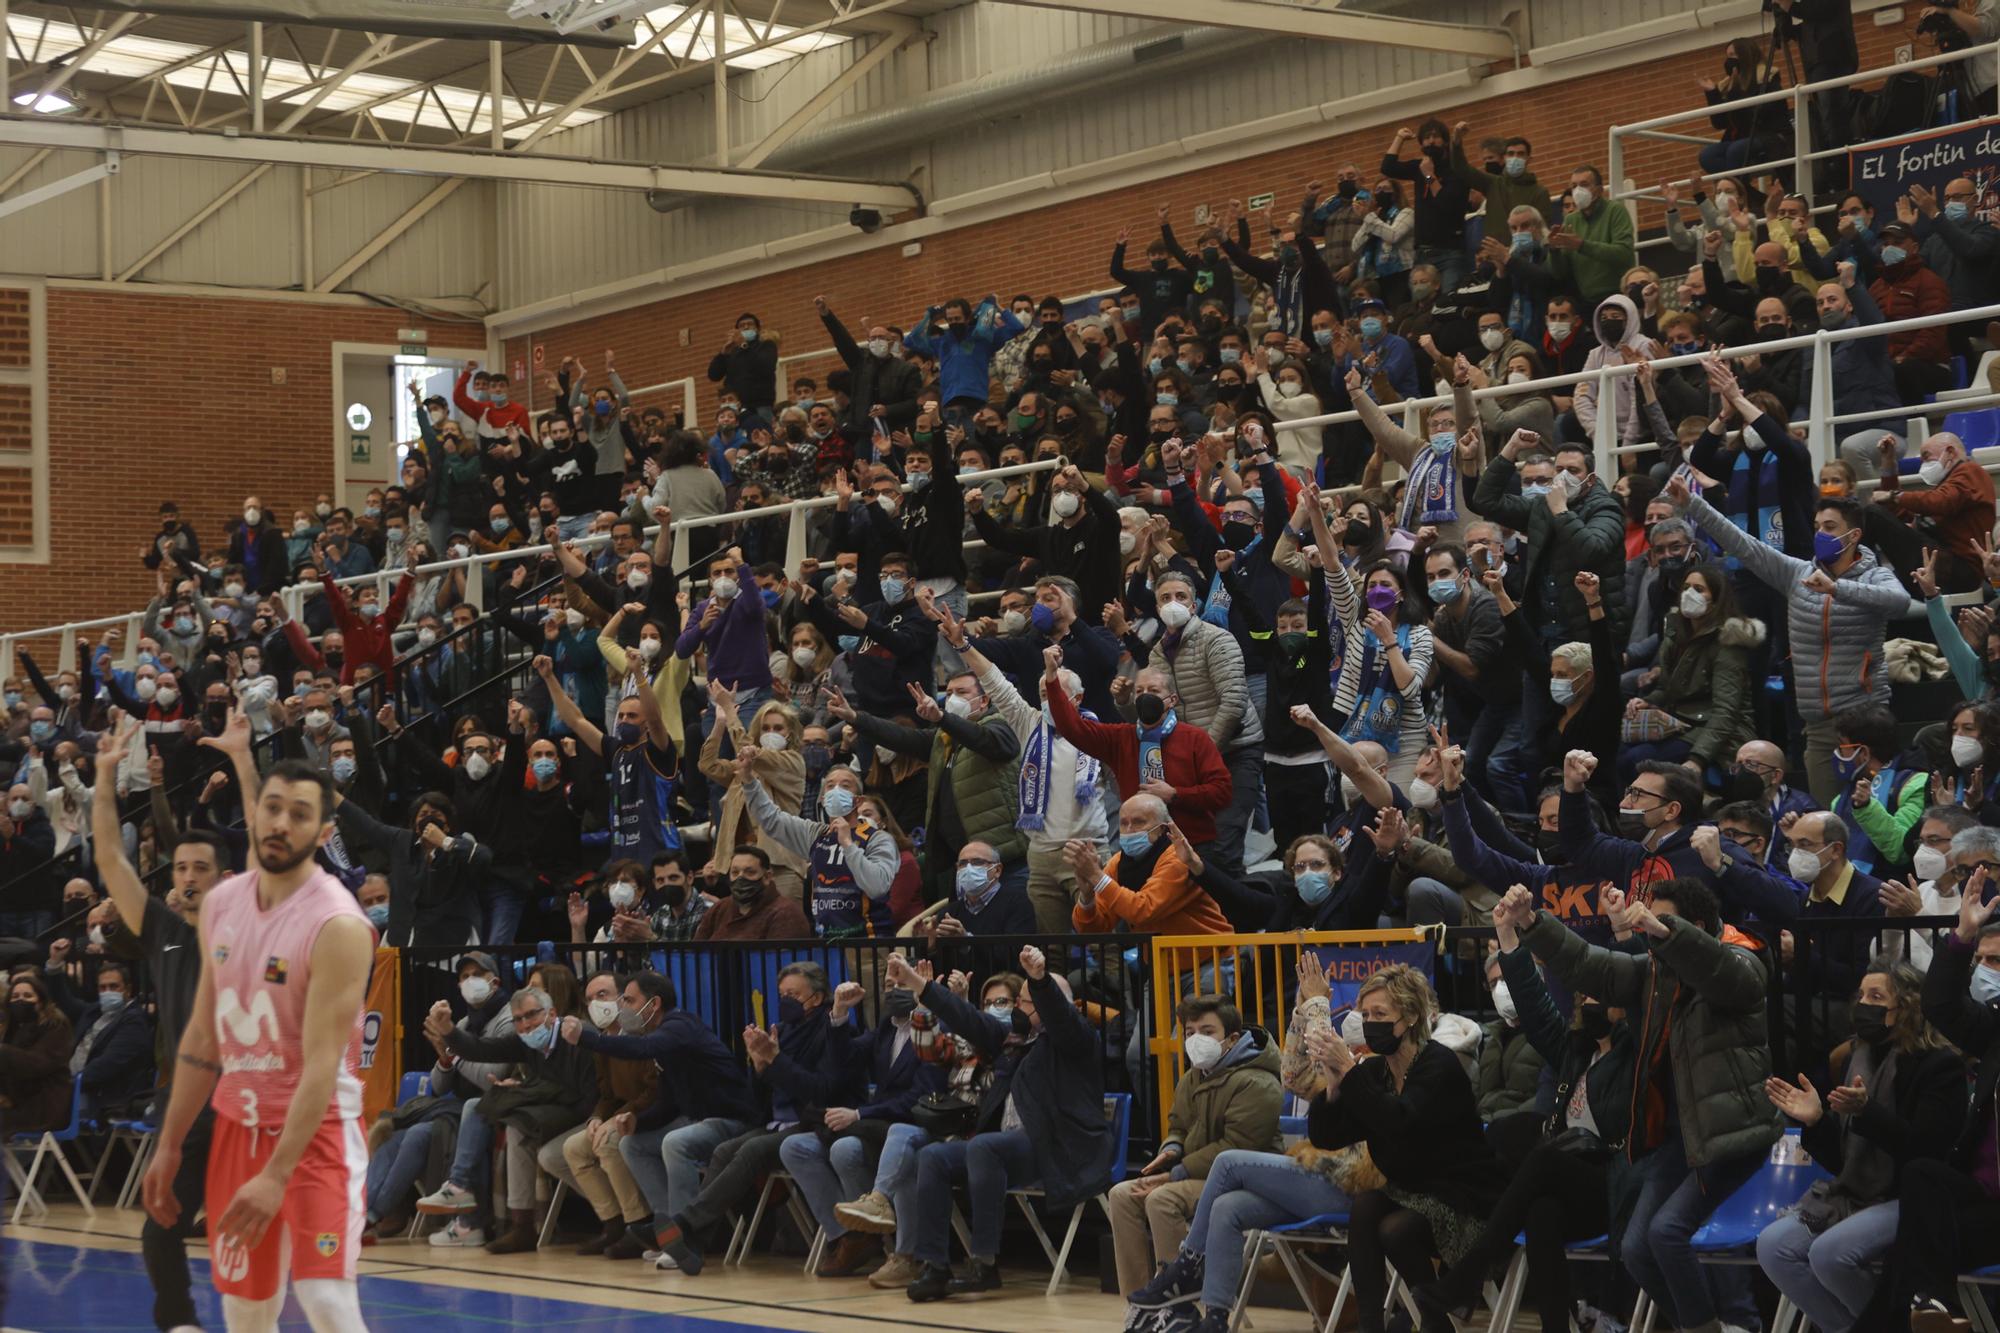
1167 399
1371 327
370 610
1231 355
771 598
1534 490
848 642
1255 495
1186 366
539 1039
1985 985
602 407
42 732
1522 242
1957 210
919 480
110 1001
1135 844
1153 364
1894 254
544 769
1516 166
1003 1012
500 526
1324 337
1563 691
343 769
13 698
1042 617
378 916
971 881
837 802
1314 886
184 625
1828 548
1443 591
1848 769
1689 349
1443 440
893 589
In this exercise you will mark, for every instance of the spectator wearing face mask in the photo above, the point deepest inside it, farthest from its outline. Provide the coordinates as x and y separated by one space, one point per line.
493 410
1510 1068
1862 374
1161 286
1441 202
883 397
964 351
754 909
1178 763
1906 288
772 744
27 843
259 547
747 366
1767 475
1297 273
1443 465
1957 243
113 1058
1079 542
1956 504
1593 245
367 631
1619 340
434 876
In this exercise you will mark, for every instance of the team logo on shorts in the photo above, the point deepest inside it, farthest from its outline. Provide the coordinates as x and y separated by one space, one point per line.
275 969
327 1244
221 953
230 1259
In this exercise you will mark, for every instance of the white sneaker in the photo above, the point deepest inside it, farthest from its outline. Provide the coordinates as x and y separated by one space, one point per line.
448 1199
663 1261
459 1235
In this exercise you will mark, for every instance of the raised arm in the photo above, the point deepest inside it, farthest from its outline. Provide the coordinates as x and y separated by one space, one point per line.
120 880
586 731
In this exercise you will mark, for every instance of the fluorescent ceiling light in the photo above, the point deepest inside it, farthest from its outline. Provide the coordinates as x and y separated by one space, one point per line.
53 104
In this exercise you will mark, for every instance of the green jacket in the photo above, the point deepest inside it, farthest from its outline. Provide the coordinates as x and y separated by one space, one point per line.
1705 681
1503 193
1887 819
1234 1106
985 789
1699 1004
1596 267
1510 1071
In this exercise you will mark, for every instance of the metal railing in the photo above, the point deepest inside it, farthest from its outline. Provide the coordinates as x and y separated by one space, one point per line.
1820 417
294 596
1796 100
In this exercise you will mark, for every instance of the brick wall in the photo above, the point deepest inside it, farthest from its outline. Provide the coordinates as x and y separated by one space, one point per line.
1066 248
155 397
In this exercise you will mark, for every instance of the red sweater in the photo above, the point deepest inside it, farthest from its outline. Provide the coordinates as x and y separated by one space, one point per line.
1911 290
495 417
368 639
1194 767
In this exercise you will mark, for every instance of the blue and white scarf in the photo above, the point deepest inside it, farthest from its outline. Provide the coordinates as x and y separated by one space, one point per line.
1216 609
1432 493
1037 781
1152 763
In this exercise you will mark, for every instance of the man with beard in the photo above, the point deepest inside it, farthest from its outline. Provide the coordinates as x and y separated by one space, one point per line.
274 1043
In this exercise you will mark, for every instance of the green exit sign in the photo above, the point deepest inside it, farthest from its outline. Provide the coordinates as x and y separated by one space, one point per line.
1264 200
416 349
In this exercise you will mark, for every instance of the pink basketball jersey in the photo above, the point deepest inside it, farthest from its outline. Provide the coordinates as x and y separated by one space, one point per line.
261 961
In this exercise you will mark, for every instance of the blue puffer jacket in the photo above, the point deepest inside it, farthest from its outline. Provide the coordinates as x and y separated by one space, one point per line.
964 360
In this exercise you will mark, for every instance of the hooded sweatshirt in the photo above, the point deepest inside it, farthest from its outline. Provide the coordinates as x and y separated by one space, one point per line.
1233 1106
1625 389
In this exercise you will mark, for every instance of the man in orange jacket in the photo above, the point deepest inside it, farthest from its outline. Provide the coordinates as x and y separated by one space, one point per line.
1143 887
1958 501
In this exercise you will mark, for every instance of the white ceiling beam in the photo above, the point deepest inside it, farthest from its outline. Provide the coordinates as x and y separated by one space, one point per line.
55 189
73 62
371 54
821 100
1294 21
472 164
203 214
383 239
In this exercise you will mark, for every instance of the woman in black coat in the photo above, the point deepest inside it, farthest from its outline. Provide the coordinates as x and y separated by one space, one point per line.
35 1046
1413 1105
1568 1187
1902 1098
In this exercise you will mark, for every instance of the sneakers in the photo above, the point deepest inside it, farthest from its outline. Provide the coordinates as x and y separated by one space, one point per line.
1931 1316
448 1199
871 1213
1177 1281
977 1276
662 1261
460 1235
900 1271
678 1245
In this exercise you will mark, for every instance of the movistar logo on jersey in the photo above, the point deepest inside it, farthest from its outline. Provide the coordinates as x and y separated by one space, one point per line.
246 1027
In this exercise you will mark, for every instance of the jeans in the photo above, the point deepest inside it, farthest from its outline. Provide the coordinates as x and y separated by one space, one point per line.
1724 155
827 1175
1493 757
1246 774
990 1165
1449 261
506 899
1957 1229
667 1162
1251 1191
1672 750
1674 1200
575 526
896 1179
734 1169
1830 1276
472 1161
1427 902
394 1167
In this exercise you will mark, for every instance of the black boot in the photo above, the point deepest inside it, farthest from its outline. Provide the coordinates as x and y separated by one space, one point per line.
979 1275
933 1284
614 1231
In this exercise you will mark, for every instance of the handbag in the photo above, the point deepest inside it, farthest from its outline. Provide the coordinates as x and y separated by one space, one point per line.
1649 726
944 1115
1563 1137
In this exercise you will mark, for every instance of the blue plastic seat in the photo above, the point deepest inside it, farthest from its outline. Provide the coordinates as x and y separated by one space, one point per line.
415 1084
1323 1222
1979 429
1739 1219
47 1145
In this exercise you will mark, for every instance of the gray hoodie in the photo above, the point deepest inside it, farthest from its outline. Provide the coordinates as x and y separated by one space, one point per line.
1632 426
1836 640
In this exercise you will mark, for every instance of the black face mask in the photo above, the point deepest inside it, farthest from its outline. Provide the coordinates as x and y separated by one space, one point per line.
673 895
1494 166
1043 366
1743 785
1066 425
1359 532
745 891
1161 436
1151 708
1226 392
1613 330
1871 1022
333 658
1435 150
1771 281
1593 1022
1159 265
1288 256
1348 189
900 1003
1238 534
20 1013
1381 1036
1546 841
1209 255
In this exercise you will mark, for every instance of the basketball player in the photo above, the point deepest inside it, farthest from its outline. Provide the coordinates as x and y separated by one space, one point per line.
172 949
274 1043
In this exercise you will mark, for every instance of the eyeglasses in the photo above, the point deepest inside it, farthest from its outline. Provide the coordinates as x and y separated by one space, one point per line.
1633 791
975 861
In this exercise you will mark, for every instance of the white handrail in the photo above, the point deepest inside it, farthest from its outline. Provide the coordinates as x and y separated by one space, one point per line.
1820 418
294 594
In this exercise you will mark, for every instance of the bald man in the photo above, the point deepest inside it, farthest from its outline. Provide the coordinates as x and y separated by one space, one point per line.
1835 887
1758 774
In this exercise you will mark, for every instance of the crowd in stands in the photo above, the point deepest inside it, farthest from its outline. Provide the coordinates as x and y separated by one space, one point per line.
1218 667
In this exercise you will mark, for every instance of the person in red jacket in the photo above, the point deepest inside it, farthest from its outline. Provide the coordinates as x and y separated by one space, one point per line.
1908 288
1957 499
493 415
367 636
1157 755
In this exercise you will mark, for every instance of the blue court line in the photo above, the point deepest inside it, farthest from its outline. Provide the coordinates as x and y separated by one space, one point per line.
61 1288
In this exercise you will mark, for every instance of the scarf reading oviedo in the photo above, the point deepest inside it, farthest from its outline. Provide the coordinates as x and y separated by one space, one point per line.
1037 780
